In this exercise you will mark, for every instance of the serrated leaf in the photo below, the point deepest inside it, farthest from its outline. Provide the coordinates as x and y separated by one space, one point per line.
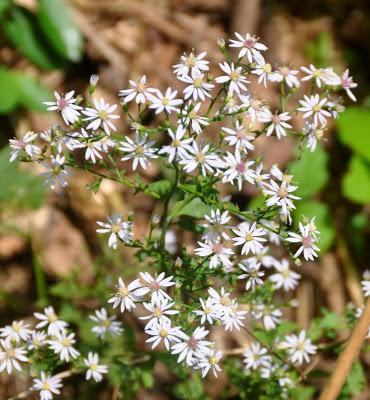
8 91
22 30
353 126
323 220
60 29
356 182
310 172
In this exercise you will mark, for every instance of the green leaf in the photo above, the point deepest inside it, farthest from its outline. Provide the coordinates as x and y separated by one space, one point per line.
356 379
323 220
310 172
356 182
160 188
31 92
8 91
353 130
60 29
19 189
195 208
4 6
24 33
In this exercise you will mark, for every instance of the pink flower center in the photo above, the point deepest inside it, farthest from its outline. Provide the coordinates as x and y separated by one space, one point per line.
249 44
240 167
192 342
217 248
306 241
62 103
154 285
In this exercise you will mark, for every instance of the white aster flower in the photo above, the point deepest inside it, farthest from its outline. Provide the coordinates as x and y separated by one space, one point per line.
117 227
219 254
92 147
47 385
24 144
252 274
101 116
155 286
348 84
269 315
126 296
276 123
262 257
189 116
105 324
56 173
234 76
66 105
166 102
263 70
17 331
307 242
179 146
159 311
313 107
209 362
163 331
249 46
256 357
284 276
240 137
139 150
94 370
198 87
10 356
216 225
139 91
210 311
316 74
192 346
201 157
237 169
191 62
298 347
63 345
50 320
287 75
232 316
37 340
250 236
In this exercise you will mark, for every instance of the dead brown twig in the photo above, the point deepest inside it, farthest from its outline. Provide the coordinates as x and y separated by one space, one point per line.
347 357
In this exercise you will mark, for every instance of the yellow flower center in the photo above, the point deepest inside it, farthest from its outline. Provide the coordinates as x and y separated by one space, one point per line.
248 237
198 82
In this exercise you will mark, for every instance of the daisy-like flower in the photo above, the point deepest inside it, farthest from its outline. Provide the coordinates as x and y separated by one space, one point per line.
255 107
166 102
192 346
201 157
179 146
24 144
298 347
37 340
10 356
234 76
252 274
287 75
117 227
63 345
191 62
263 70
249 46
155 286
159 310
50 320
210 311
101 116
365 283
306 240
56 173
17 331
216 225
313 107
256 356
66 105
250 236
240 137
189 116
259 176
276 123
270 316
105 324
198 87
163 331
262 257
316 74
237 169
232 316
139 91
126 296
284 276
93 147
94 370
209 362
47 385
219 254
139 150
348 84
313 135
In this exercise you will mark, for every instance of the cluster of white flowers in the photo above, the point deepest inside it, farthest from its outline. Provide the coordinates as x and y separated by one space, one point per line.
235 244
19 343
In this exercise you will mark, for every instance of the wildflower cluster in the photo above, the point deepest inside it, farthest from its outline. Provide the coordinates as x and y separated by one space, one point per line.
207 139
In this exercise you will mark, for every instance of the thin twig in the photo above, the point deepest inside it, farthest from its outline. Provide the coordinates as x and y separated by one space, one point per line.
347 357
